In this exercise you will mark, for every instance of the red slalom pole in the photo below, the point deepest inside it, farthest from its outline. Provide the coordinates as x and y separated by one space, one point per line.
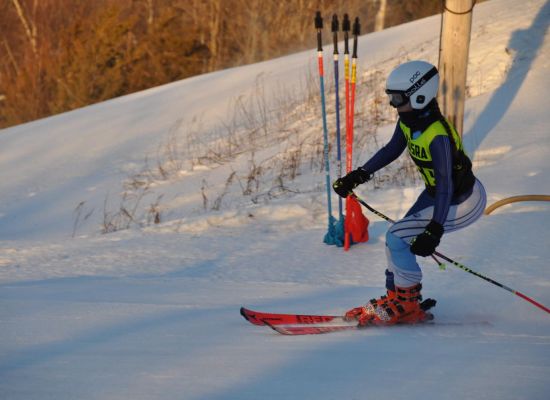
346 27
349 138
356 224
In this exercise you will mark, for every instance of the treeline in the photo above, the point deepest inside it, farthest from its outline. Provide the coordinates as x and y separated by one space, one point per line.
58 55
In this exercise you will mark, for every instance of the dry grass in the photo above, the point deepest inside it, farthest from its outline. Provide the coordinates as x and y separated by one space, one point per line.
267 142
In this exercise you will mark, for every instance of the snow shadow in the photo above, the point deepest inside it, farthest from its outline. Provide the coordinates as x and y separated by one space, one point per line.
525 45
380 363
136 346
91 340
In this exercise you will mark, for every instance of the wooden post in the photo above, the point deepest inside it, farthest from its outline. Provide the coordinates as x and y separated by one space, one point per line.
456 26
380 18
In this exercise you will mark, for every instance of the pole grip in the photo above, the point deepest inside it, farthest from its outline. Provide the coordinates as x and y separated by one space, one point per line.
335 27
356 32
319 27
346 29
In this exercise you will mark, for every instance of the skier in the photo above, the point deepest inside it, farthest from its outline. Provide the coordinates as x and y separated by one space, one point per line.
452 199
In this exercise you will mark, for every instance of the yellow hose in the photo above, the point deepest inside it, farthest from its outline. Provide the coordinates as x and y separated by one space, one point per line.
515 199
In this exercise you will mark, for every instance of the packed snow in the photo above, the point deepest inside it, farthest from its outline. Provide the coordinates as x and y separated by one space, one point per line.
152 311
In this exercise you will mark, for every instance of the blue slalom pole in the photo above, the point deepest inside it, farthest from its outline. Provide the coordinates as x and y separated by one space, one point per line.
330 237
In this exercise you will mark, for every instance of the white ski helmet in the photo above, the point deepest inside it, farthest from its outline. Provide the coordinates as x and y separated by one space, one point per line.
414 81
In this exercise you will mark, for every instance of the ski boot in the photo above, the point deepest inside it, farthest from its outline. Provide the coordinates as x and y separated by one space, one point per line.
369 309
403 306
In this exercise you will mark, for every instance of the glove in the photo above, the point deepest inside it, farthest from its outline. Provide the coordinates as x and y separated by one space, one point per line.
343 186
425 243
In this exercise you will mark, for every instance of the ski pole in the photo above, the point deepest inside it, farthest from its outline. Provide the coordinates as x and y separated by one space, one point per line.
319 27
459 265
441 265
335 27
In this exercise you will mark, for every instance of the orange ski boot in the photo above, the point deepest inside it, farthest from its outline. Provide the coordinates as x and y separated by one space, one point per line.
369 309
402 306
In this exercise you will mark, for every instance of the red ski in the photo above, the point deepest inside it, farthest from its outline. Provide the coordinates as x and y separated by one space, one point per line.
299 324
305 324
273 319
311 329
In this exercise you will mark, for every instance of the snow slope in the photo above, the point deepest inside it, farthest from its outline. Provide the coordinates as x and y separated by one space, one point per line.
152 312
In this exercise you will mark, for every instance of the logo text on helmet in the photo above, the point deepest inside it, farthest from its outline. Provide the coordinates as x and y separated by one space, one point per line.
415 87
416 75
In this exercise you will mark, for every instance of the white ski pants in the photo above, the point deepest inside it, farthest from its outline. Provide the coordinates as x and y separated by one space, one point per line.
403 269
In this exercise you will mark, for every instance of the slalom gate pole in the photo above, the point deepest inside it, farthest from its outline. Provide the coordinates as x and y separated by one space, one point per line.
356 224
335 27
459 265
346 27
330 236
356 29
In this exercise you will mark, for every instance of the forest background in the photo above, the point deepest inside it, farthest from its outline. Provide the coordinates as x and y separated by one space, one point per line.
58 55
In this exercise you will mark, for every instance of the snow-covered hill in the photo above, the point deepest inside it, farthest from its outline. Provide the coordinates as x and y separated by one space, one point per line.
151 312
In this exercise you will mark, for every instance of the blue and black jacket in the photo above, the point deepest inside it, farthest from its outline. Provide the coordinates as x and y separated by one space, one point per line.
436 149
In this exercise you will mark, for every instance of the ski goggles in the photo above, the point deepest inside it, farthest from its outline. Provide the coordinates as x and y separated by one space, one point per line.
397 98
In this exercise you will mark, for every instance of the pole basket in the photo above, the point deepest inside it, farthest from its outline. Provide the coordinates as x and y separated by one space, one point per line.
355 222
335 233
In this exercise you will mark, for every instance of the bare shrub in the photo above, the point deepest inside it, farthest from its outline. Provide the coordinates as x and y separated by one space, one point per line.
80 216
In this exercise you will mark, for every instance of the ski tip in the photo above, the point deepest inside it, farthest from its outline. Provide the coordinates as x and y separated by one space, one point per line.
251 316
246 314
